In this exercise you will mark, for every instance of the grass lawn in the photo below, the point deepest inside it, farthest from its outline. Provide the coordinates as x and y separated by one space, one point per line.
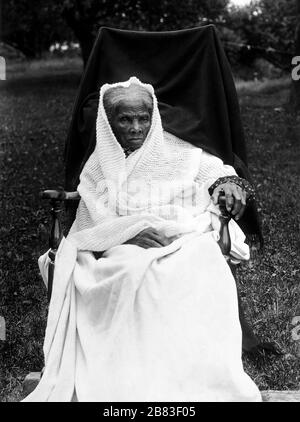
35 108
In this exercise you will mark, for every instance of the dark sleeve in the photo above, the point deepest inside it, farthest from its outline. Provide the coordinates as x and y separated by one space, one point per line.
243 183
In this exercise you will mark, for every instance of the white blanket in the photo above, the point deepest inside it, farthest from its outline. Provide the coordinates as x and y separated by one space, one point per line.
158 324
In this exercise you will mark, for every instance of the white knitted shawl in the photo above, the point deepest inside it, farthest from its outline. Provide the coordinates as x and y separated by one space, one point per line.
163 185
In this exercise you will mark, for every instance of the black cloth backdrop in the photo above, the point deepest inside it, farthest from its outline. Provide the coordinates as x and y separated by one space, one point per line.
195 90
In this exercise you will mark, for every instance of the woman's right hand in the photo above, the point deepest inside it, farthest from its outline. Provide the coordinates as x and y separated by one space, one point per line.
150 238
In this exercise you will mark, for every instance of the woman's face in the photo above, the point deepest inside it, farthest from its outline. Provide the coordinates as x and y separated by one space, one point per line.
130 122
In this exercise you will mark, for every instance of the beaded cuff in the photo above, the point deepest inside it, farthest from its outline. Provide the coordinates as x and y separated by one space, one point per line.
242 183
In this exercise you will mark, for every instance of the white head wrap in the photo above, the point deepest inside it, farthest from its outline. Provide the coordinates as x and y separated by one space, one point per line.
110 153
116 95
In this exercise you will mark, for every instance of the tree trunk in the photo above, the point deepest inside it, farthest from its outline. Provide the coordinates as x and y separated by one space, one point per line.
86 44
82 30
295 88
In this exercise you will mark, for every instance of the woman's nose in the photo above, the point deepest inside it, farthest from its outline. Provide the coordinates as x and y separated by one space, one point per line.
136 127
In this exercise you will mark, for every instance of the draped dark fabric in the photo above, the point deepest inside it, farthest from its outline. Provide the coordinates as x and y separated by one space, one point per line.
194 87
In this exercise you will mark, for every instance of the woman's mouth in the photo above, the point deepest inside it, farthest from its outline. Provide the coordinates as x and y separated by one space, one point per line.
135 140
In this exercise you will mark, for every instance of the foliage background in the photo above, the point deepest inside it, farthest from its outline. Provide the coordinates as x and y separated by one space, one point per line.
32 26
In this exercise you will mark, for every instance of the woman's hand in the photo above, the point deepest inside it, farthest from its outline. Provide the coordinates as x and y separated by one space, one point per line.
235 198
150 238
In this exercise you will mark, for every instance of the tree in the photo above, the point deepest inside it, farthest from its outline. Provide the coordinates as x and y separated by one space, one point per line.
85 17
267 25
32 26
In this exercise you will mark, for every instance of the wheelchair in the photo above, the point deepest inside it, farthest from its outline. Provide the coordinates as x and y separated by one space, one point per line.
112 61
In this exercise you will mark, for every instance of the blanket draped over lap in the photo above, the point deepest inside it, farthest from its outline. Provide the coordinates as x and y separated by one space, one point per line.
157 324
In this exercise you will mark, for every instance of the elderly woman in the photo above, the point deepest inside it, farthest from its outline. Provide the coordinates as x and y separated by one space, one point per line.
144 306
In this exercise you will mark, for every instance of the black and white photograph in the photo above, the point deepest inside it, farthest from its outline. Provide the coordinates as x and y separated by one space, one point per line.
149 203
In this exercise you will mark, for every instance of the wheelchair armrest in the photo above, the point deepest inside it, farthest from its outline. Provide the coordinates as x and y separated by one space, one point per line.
56 197
224 241
60 195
